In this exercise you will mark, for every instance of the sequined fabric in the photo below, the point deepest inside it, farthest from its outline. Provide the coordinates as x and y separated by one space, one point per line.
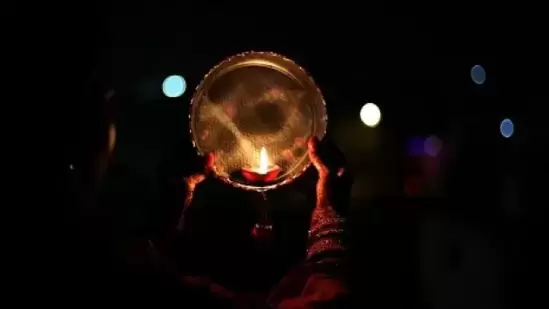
326 232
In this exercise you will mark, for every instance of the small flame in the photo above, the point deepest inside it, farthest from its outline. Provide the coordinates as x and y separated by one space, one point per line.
263 161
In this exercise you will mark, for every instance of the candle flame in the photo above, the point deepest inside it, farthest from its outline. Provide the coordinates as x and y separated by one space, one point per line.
263 161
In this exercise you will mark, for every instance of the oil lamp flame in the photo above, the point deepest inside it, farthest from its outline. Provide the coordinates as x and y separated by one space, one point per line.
263 161
265 172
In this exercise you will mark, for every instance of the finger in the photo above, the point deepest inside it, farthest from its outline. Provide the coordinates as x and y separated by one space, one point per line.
312 148
312 145
196 178
193 180
209 165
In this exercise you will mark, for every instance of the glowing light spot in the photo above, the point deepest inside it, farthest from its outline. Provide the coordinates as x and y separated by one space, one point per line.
174 86
432 146
507 128
370 115
478 74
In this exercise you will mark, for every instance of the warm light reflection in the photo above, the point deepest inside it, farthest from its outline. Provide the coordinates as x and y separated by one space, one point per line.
263 161
112 137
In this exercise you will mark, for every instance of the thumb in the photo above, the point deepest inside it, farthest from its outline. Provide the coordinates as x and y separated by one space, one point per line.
312 149
193 180
209 165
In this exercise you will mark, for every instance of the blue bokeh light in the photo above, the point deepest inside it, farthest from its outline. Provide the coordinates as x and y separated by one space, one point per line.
174 86
478 74
415 146
507 128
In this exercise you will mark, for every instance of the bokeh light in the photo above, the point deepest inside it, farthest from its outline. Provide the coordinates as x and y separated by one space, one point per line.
174 86
432 146
370 115
416 145
507 128
478 74
413 185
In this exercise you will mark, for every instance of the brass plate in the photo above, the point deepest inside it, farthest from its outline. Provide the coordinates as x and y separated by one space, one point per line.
253 100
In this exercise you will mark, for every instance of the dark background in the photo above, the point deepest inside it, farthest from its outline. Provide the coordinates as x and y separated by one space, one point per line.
465 237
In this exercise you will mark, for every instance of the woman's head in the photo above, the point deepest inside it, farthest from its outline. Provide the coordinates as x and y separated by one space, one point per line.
91 133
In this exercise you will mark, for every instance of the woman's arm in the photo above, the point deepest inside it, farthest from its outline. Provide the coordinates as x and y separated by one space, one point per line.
158 251
321 282
324 284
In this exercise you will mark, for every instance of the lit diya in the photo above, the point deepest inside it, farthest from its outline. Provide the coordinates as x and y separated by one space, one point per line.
264 173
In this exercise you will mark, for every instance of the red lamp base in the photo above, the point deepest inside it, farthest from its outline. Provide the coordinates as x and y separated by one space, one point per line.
254 176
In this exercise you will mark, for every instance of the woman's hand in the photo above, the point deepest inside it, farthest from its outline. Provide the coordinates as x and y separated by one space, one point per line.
192 182
334 181
323 285
326 231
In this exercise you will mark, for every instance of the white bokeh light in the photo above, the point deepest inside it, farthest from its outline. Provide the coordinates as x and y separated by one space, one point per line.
370 115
